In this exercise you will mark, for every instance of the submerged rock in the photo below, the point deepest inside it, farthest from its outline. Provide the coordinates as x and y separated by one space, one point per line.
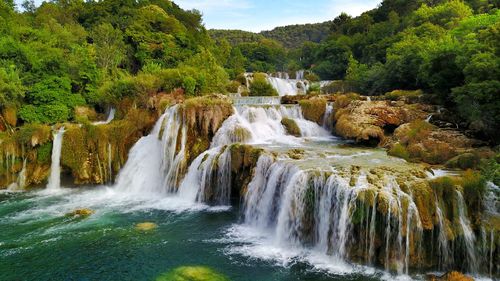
146 226
291 127
450 276
313 109
81 213
192 273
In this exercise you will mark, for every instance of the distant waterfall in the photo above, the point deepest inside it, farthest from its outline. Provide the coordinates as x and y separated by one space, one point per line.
55 168
290 87
111 117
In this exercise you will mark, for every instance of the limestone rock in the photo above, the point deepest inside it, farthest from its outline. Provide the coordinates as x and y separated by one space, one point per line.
81 213
146 226
450 276
371 121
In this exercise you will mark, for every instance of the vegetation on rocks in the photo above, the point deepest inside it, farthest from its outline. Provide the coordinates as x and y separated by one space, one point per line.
313 109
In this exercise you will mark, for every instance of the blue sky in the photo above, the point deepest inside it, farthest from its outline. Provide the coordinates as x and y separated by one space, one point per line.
258 15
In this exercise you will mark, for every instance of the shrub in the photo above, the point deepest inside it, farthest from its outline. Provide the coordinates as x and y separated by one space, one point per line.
189 85
260 86
411 96
311 77
233 87
399 150
474 186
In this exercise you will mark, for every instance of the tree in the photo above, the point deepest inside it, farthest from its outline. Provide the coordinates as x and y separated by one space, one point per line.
109 47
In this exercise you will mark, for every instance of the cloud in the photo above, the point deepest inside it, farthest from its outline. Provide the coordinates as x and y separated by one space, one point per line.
214 5
353 8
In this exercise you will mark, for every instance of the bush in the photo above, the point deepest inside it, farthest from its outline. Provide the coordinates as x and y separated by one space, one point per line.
411 96
189 85
46 113
233 86
399 150
474 186
311 77
260 86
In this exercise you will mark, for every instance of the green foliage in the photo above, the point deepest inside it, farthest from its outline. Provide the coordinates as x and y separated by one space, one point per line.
261 87
399 150
44 153
11 87
474 187
490 169
189 85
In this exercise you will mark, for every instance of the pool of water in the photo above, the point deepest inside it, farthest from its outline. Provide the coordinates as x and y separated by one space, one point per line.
38 241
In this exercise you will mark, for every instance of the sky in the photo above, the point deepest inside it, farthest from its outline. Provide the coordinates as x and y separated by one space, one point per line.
258 15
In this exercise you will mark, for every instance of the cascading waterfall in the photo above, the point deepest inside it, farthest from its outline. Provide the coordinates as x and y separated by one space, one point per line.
288 87
153 165
468 235
324 211
301 207
55 167
111 117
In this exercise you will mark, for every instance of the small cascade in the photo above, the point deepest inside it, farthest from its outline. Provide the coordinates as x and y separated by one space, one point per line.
242 101
55 167
110 163
299 75
444 248
328 118
468 235
257 125
20 184
111 117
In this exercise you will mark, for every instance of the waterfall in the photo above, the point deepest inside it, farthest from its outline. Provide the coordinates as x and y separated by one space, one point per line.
111 117
21 179
469 238
55 167
258 125
242 101
153 165
288 87
299 75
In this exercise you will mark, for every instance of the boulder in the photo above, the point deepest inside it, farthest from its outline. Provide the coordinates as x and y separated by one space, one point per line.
146 226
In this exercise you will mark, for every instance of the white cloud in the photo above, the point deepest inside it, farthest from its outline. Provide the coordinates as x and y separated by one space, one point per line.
213 5
353 8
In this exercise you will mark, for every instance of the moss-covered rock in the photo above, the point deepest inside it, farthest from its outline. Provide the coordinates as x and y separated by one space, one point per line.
146 226
450 276
203 117
291 127
313 109
425 142
81 213
192 273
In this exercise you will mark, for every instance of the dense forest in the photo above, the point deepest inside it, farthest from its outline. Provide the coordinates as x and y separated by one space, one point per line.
448 49
65 54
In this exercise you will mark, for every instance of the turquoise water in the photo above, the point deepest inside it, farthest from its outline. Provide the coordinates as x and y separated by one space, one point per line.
38 241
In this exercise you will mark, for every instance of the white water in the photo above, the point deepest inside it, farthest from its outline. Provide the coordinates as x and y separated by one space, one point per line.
111 117
55 167
288 87
260 125
152 167
467 233
277 198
